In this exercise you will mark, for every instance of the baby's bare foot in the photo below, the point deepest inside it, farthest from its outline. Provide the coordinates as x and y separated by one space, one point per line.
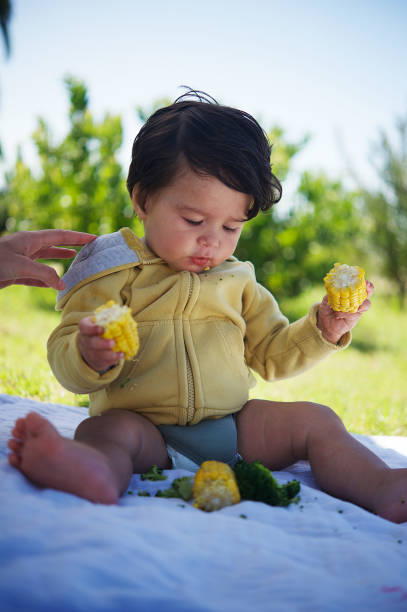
392 496
51 461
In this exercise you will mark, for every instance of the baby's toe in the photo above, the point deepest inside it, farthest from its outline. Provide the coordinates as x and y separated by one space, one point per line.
14 459
15 445
18 430
36 425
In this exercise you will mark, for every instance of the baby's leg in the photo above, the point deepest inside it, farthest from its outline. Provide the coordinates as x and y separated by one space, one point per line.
97 465
280 433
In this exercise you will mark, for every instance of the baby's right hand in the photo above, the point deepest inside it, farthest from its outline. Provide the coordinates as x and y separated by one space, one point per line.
95 350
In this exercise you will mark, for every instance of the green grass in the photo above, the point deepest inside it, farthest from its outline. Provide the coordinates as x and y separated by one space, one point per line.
27 317
365 384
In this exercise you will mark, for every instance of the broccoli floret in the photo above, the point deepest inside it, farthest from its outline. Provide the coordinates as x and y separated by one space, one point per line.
154 473
181 487
256 483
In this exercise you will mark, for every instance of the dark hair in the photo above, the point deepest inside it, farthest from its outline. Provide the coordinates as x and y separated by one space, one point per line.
212 139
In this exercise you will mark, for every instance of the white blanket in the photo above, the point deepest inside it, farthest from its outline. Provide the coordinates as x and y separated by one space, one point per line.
61 553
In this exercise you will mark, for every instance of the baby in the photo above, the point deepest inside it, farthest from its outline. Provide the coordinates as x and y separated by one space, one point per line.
199 172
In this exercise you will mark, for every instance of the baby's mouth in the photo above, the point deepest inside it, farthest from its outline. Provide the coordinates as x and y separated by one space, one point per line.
201 262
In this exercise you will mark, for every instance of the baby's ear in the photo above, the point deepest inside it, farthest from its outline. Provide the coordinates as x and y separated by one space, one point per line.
138 205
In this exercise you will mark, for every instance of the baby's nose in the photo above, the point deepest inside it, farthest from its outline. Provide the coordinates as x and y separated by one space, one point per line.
209 239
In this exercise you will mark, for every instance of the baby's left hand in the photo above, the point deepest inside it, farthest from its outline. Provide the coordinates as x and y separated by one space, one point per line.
333 324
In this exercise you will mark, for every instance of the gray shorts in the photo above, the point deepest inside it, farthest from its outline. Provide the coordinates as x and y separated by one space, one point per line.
211 439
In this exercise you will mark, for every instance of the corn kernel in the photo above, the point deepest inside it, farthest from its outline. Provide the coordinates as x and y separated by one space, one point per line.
120 326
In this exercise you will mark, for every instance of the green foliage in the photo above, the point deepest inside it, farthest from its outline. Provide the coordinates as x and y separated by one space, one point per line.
80 185
293 252
283 151
325 227
258 240
387 208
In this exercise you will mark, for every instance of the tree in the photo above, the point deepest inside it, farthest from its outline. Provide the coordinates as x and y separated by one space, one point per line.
5 15
325 227
81 184
386 207
259 240
295 250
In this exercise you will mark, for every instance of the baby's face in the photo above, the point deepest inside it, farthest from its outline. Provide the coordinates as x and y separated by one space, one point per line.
195 222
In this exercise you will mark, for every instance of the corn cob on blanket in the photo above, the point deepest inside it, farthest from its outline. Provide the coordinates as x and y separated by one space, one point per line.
61 553
215 486
120 326
346 287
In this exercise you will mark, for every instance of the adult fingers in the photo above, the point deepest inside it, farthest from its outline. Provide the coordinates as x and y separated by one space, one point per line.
53 237
27 272
29 282
54 252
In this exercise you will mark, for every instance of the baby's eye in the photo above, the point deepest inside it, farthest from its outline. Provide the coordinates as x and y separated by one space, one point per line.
229 229
192 221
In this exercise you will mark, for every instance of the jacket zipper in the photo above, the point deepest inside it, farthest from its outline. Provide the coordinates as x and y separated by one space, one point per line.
190 378
191 389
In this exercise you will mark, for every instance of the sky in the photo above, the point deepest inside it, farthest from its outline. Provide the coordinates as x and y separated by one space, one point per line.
334 70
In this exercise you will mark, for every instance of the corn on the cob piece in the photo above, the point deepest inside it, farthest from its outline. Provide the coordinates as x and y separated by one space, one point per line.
215 486
346 287
120 326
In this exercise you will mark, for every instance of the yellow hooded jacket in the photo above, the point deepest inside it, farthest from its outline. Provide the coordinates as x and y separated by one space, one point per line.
200 334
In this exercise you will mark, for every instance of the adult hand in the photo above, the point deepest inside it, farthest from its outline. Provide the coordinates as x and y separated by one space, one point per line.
19 251
334 324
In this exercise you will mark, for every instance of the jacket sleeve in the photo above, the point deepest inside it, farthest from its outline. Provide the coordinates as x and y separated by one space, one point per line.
276 348
63 354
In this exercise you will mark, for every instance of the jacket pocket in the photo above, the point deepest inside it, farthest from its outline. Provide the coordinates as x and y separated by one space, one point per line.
151 379
225 377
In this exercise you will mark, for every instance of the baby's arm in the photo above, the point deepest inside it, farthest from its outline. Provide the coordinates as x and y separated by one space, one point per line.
96 351
68 360
278 349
